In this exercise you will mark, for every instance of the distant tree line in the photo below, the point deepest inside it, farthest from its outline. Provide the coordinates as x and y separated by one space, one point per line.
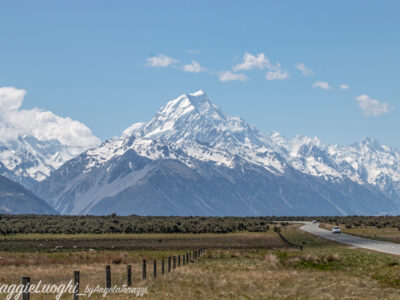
39 224
357 221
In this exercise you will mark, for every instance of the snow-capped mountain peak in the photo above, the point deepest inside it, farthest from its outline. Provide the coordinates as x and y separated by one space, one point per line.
193 117
192 153
371 144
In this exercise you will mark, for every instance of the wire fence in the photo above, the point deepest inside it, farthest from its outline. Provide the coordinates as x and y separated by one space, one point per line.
148 269
290 244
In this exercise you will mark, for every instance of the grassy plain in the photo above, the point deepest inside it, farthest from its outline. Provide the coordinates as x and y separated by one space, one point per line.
234 266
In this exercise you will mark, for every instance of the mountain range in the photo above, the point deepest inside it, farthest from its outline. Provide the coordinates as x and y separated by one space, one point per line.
193 159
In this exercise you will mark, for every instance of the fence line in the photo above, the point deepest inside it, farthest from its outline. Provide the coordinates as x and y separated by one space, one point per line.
196 254
290 244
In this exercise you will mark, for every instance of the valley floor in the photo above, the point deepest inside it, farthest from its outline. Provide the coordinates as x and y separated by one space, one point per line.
242 269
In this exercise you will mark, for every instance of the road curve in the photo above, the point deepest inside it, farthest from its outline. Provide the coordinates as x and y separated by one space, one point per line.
356 241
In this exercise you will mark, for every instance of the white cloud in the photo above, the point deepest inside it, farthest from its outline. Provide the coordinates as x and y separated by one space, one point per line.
161 61
344 87
251 62
230 76
43 125
193 51
306 71
372 107
260 61
193 67
322 84
276 73
10 99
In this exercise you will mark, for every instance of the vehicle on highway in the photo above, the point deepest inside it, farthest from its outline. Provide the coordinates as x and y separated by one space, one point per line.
336 230
314 221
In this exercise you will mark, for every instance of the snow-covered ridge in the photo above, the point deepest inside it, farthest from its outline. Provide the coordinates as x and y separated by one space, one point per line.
366 162
192 120
27 159
192 128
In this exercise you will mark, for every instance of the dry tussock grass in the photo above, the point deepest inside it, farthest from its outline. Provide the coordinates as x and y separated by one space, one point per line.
221 274
215 279
272 259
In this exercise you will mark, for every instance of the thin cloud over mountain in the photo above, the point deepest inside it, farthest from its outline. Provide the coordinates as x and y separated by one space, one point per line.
230 76
306 71
193 67
161 61
372 107
322 84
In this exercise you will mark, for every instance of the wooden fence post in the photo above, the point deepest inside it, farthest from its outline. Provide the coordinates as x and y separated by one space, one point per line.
162 267
144 270
155 269
169 264
26 282
76 285
174 262
129 275
179 260
187 257
108 277
183 259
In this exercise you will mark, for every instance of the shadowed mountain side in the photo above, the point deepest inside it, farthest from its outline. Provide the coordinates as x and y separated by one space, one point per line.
15 199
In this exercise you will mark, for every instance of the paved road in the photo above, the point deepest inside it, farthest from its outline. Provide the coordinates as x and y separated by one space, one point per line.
379 246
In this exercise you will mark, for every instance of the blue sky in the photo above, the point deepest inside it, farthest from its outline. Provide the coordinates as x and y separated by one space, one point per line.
92 61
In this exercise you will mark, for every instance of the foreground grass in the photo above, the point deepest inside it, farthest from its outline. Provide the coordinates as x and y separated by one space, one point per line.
323 270
269 275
